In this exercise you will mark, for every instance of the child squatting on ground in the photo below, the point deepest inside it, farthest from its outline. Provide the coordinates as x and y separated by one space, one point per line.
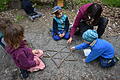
24 57
101 49
60 24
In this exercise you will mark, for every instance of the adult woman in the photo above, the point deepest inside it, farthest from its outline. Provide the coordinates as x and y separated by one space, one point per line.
89 15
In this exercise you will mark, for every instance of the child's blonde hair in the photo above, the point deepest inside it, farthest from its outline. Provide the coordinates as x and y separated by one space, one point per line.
13 35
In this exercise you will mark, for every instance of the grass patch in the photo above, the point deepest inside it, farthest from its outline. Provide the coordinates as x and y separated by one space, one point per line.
3 4
112 3
19 18
74 3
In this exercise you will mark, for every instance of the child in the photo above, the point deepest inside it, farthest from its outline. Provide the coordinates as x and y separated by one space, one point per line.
60 24
30 11
100 48
25 58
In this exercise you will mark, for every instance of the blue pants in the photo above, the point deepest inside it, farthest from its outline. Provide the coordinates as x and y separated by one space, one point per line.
105 63
56 37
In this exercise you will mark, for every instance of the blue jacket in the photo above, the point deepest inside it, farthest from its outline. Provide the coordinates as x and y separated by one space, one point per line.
101 48
60 24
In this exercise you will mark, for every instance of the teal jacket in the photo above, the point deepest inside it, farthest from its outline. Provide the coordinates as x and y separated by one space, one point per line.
60 24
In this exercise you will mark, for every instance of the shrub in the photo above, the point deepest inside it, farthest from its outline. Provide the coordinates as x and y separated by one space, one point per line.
3 4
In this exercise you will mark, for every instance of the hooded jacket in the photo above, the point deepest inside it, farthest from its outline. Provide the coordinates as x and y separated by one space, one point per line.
22 56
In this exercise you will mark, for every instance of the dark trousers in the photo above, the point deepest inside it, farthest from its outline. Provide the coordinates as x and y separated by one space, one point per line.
106 63
27 6
101 27
56 37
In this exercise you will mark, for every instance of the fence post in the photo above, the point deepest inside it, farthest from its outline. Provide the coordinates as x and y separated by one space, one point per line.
59 3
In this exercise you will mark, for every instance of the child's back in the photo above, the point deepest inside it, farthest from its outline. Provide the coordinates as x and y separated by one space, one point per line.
23 56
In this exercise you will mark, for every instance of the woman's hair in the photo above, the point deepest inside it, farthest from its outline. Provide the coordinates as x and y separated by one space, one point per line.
13 35
94 12
4 22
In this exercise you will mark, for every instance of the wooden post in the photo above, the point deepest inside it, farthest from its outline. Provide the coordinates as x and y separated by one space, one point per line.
60 3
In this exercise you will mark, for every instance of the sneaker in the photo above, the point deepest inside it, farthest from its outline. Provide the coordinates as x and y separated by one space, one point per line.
31 18
116 59
24 74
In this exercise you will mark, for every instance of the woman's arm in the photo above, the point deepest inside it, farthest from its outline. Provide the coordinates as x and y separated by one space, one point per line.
76 23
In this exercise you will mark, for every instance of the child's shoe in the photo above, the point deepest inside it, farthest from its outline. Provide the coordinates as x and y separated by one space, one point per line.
116 59
34 16
24 74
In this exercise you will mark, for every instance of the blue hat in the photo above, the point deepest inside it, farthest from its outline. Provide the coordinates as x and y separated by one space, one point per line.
90 35
56 8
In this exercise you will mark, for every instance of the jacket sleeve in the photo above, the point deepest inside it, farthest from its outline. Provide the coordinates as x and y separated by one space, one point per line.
24 61
94 54
55 25
76 23
81 46
67 24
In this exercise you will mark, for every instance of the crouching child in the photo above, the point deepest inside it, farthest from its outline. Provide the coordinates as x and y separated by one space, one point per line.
25 58
100 49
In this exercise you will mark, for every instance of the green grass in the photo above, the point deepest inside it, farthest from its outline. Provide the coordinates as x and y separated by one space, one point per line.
75 3
3 4
19 17
81 2
113 3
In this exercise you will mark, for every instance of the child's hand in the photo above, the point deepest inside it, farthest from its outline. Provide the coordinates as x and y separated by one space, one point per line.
63 34
60 35
35 51
72 48
83 60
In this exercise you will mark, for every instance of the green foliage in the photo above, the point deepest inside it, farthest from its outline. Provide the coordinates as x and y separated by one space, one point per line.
74 3
113 3
80 2
19 17
3 4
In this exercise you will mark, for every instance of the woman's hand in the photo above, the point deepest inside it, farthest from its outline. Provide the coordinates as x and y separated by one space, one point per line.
69 40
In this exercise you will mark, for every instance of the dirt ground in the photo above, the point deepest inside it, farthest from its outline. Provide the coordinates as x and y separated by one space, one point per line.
61 63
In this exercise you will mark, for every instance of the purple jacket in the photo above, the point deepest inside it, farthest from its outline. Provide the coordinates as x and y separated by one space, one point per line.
22 56
79 17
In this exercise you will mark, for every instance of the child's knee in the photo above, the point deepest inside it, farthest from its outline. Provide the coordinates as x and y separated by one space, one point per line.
67 36
56 38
